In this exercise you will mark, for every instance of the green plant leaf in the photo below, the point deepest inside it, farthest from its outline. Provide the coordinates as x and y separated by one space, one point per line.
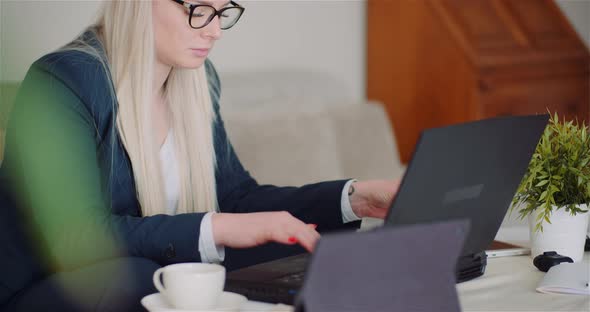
540 217
544 182
543 195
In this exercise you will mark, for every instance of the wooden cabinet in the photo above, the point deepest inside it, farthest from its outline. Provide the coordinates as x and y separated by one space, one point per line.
438 62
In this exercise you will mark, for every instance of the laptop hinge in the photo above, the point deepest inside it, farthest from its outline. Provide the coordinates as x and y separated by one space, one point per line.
471 266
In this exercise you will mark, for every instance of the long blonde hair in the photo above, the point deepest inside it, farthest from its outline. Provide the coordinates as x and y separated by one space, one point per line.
125 30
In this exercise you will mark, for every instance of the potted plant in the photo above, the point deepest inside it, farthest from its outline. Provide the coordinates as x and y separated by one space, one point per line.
555 191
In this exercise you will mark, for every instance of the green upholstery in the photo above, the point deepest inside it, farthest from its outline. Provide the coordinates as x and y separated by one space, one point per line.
7 93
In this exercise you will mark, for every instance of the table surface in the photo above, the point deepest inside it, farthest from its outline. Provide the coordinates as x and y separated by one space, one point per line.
508 285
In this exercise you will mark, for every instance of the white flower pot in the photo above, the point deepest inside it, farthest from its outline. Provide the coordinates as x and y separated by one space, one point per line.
565 235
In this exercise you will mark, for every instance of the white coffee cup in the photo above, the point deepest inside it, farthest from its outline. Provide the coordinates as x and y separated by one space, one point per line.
191 286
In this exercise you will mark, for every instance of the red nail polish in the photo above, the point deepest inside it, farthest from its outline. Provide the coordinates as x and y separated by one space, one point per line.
292 240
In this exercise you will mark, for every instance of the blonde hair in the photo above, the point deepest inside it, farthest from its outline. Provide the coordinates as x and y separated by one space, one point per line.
125 30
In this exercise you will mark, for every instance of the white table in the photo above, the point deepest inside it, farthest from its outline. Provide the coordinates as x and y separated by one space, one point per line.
508 285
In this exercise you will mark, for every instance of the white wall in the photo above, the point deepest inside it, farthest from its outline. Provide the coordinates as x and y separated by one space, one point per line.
326 35
29 29
578 12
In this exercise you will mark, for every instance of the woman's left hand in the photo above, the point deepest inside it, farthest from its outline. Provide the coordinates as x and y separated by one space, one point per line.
373 198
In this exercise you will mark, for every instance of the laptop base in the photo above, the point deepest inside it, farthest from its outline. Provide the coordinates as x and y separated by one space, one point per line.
282 288
264 292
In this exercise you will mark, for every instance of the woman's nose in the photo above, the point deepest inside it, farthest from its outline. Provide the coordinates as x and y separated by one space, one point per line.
213 29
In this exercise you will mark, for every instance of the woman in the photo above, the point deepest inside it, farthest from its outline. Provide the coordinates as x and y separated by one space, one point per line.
119 163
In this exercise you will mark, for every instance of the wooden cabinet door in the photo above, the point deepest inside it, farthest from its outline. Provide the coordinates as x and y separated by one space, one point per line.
501 32
569 96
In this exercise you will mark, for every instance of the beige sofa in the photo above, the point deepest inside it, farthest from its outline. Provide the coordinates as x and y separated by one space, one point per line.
292 128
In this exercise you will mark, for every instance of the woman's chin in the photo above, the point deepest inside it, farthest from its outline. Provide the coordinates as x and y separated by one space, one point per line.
194 63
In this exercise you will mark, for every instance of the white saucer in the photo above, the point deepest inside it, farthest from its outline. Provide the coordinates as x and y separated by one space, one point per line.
228 302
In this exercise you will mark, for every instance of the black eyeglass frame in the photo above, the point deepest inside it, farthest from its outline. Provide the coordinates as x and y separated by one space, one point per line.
217 13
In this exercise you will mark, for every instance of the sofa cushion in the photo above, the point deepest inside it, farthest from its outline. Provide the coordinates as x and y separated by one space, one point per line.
295 146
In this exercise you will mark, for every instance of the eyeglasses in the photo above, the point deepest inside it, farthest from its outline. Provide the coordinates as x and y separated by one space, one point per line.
201 15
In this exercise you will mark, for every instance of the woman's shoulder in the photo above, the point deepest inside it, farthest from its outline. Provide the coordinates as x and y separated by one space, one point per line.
76 66
80 68
75 69
67 62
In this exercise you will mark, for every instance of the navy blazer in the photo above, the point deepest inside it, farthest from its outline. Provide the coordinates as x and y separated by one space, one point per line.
68 195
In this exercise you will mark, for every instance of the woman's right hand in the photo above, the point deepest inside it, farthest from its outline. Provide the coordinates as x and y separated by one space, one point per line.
244 230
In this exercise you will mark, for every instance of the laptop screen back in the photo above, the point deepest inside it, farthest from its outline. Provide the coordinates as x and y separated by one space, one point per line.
414 272
467 171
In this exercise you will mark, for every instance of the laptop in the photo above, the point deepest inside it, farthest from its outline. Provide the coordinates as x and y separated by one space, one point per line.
416 272
465 171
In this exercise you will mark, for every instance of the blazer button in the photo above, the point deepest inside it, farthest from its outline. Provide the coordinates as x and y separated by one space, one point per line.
170 252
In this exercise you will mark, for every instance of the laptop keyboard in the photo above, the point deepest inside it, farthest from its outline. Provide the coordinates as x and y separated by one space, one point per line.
292 278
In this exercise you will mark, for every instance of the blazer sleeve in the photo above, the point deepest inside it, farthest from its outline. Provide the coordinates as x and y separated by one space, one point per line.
51 145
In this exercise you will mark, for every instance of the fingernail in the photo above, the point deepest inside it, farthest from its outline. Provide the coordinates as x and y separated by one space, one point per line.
292 240
315 226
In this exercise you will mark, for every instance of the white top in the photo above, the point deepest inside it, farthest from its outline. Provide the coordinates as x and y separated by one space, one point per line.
169 167
209 252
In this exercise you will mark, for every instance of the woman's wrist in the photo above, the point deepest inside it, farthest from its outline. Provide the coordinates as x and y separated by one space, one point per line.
218 221
357 199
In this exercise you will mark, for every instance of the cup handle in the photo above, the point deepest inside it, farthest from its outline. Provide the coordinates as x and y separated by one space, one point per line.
157 281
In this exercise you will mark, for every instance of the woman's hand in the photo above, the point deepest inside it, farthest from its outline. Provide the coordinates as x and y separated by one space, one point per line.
373 198
253 229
